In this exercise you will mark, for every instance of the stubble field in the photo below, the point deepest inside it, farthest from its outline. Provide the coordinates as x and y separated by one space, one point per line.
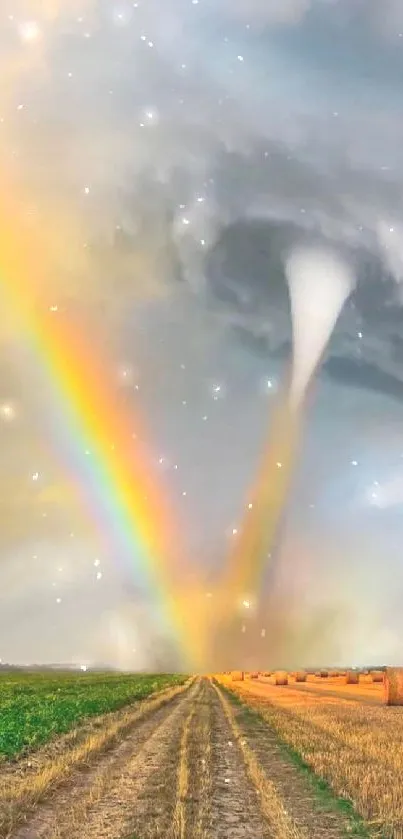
143 757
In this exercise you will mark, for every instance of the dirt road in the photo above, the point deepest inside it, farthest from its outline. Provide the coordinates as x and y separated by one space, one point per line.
194 766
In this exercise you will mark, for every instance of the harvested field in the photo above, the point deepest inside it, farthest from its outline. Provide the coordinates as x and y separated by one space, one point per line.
355 746
186 763
365 690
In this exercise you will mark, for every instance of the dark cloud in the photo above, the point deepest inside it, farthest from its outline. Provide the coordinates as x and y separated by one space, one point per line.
351 372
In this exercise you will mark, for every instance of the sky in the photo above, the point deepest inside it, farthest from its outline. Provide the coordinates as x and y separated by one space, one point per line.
171 155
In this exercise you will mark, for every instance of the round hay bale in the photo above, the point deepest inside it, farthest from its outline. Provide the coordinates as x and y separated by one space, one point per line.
352 677
267 673
393 686
237 675
281 678
254 675
300 676
377 676
324 674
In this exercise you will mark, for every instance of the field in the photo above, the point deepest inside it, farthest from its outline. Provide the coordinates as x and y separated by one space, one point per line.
35 707
145 757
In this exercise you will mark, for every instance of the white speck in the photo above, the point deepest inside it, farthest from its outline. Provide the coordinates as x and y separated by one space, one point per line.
7 411
97 562
35 476
359 334
250 505
279 465
240 57
86 190
184 492
234 531
29 31
99 575
58 599
354 463
226 780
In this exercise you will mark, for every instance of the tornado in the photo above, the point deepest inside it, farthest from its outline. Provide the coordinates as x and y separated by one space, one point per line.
319 281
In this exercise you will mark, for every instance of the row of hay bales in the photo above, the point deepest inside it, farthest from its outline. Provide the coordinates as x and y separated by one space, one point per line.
392 679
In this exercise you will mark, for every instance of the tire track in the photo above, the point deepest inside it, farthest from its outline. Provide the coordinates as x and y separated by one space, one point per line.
192 812
236 807
272 805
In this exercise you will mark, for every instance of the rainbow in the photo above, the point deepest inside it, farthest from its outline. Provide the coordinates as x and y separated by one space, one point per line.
127 506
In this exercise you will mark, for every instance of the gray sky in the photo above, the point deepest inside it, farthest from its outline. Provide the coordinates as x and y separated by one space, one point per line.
173 152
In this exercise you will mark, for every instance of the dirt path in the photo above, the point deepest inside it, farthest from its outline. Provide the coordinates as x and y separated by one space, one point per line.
193 768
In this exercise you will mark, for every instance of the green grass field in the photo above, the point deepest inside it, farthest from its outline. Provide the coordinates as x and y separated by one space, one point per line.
35 707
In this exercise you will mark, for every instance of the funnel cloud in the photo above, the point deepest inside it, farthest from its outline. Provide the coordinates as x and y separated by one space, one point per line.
320 283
